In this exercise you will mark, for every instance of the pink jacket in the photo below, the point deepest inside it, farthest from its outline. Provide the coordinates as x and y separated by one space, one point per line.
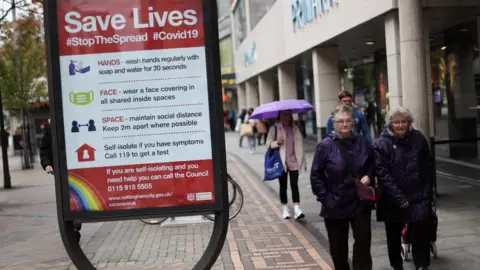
298 143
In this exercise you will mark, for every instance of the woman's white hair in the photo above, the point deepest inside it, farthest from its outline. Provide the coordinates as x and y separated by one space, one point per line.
342 109
398 111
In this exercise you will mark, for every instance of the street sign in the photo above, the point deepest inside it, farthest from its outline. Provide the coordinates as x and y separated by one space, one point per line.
137 119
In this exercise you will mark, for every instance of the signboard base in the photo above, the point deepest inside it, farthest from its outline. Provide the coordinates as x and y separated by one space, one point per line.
182 221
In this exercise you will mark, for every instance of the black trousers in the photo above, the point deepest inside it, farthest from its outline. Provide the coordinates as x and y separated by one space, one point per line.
338 229
418 235
293 185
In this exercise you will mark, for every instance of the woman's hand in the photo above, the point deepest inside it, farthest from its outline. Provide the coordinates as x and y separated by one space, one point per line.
404 205
49 169
365 180
280 140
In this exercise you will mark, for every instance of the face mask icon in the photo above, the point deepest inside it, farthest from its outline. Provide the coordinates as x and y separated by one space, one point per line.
81 98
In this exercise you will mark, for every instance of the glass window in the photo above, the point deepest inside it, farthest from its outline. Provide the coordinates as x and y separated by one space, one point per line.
226 55
223 8
240 22
258 8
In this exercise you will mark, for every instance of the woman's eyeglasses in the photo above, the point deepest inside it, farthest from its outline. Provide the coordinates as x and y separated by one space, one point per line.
344 121
400 123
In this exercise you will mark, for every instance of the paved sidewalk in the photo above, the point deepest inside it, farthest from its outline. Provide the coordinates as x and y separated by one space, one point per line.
257 239
458 209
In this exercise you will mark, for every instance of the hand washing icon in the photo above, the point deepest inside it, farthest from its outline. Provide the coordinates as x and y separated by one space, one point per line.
77 67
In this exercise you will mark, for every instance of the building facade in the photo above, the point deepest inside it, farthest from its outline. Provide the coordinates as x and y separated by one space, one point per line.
420 54
226 55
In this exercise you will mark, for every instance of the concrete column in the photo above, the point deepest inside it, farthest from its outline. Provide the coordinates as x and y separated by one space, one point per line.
247 15
428 71
326 80
287 81
394 68
252 93
412 52
241 97
266 87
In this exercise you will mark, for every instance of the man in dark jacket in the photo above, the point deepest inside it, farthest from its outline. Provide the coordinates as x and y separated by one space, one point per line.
46 159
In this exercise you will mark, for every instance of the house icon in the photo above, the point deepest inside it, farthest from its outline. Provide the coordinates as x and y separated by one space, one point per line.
85 153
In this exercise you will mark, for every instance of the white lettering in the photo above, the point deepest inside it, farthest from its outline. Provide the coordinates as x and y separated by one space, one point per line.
75 22
175 18
69 19
304 11
136 20
191 17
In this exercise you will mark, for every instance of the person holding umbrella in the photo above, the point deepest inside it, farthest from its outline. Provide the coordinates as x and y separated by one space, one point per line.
287 138
289 141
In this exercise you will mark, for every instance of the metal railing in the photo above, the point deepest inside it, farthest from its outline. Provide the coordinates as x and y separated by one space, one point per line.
433 143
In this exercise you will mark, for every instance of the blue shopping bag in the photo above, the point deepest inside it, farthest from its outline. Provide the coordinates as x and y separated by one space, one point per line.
273 163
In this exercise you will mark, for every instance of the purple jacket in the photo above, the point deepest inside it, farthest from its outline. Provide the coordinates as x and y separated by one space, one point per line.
404 168
331 179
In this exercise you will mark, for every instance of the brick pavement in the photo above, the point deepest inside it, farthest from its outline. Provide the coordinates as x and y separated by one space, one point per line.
258 238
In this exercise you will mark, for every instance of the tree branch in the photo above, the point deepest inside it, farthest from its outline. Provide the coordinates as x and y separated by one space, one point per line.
6 13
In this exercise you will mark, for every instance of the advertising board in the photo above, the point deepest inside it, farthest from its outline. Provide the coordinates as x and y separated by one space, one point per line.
134 87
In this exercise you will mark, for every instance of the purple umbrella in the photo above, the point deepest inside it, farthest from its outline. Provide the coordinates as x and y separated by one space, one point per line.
270 110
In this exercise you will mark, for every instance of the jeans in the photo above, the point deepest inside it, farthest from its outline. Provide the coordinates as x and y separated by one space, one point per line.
338 229
418 235
293 185
251 143
262 137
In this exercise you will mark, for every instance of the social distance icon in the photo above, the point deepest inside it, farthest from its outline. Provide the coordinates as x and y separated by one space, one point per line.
81 98
76 126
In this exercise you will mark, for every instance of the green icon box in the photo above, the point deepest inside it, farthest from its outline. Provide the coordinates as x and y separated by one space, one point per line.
81 98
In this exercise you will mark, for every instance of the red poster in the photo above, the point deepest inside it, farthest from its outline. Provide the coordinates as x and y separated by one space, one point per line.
135 104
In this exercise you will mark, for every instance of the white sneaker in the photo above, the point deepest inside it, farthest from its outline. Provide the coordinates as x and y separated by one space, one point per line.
298 212
286 212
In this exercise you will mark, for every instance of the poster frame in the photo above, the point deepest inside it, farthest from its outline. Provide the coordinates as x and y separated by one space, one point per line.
217 135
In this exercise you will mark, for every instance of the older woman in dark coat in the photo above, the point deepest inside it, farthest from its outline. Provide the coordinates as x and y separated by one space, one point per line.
342 161
404 170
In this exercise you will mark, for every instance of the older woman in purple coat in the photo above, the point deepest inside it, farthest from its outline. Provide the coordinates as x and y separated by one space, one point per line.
404 170
342 161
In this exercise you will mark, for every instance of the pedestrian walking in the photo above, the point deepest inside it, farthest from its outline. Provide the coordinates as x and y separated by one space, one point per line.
46 160
360 124
286 137
240 117
262 132
342 170
404 168
251 136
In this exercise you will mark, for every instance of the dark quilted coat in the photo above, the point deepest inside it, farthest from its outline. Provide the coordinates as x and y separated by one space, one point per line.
331 180
404 169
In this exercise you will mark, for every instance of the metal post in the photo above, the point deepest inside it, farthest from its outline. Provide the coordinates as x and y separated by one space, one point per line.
434 173
4 140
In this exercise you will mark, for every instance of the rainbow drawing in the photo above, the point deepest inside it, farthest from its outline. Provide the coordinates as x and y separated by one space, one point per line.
83 196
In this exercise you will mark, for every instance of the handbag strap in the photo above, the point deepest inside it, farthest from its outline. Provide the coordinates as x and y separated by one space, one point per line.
275 137
348 161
